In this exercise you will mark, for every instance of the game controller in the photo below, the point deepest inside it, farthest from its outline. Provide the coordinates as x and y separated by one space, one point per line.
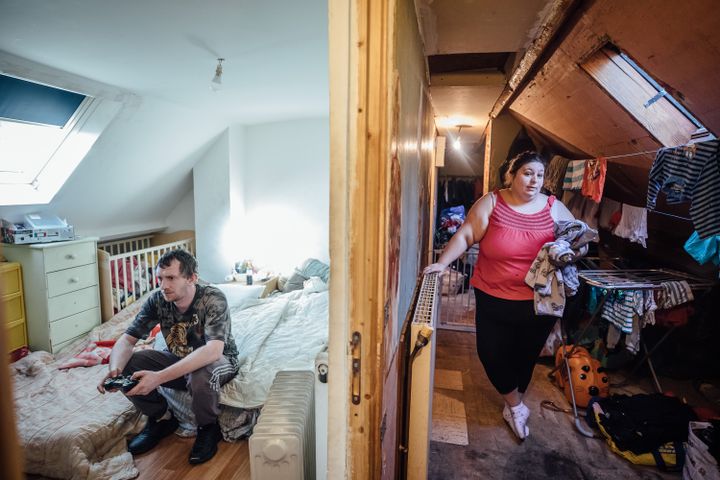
120 383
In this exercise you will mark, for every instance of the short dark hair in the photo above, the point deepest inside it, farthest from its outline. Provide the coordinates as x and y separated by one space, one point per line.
188 264
523 159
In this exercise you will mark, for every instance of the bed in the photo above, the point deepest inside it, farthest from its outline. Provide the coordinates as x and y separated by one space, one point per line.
69 430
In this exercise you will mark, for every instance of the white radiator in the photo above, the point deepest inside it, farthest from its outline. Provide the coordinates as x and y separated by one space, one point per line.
425 318
282 446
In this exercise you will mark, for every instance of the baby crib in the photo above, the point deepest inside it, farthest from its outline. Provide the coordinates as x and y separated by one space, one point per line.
127 267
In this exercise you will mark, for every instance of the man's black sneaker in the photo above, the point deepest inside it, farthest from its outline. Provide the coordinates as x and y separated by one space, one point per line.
154 431
205 445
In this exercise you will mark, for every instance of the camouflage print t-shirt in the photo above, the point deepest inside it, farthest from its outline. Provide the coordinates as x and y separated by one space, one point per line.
207 318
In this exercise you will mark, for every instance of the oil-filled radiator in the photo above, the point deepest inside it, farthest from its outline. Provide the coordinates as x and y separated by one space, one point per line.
282 445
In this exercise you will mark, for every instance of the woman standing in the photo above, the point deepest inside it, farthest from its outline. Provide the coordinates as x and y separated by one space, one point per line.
510 225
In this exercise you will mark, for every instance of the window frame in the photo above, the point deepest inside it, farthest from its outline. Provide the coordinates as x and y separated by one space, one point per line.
92 117
636 91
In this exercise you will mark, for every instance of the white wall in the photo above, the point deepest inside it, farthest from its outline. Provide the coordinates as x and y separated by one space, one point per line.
287 191
212 210
262 193
183 215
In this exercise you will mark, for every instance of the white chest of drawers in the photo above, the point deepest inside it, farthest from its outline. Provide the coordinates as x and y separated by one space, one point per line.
62 297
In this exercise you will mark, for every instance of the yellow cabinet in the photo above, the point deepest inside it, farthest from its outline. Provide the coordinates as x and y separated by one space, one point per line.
12 304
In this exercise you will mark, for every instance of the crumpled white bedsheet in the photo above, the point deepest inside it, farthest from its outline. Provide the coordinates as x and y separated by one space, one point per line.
282 332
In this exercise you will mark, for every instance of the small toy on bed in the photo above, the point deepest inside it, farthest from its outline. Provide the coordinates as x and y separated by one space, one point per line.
120 382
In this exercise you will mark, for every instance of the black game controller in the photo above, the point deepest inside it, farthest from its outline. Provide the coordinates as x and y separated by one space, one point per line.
120 383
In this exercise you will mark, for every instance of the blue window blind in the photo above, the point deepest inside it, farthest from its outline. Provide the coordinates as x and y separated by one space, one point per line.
31 102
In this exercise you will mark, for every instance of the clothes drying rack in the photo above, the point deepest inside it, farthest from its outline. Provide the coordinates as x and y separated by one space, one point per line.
625 279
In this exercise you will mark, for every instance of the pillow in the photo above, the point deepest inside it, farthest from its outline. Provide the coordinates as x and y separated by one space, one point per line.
237 293
295 282
314 268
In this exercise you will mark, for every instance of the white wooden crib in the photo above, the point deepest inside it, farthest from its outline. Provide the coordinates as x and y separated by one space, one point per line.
127 267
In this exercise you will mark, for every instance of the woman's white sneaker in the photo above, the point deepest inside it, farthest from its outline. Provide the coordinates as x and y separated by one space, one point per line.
517 418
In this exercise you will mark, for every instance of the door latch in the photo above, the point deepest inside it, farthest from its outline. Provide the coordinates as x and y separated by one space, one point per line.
355 353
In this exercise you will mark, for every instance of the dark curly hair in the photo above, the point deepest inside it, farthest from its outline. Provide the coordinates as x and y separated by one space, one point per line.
188 264
523 159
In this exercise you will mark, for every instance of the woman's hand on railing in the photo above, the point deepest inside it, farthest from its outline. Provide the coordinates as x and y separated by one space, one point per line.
435 268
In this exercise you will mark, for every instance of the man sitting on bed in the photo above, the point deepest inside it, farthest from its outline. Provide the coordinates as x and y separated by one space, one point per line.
201 355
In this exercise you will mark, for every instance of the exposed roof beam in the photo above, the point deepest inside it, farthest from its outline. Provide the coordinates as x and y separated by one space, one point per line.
561 18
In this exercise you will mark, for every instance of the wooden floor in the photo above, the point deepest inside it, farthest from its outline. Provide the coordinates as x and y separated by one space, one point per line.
554 449
169 460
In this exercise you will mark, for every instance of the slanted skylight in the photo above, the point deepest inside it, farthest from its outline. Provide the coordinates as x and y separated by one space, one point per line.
45 132
642 96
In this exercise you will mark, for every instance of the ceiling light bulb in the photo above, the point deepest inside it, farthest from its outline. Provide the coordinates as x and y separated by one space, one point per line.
216 81
456 144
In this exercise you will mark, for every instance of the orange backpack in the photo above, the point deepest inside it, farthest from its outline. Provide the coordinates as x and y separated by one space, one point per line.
589 379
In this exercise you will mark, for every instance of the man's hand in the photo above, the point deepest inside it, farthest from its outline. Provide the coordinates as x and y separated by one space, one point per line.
147 382
110 374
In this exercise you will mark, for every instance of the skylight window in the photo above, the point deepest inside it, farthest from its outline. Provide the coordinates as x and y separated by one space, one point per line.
45 132
642 96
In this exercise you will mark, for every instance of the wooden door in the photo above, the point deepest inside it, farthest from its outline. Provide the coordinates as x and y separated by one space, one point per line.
359 171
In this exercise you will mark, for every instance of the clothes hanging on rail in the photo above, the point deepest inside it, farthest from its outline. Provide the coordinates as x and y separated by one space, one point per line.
703 250
690 173
594 178
574 175
705 207
555 175
582 208
674 294
633 224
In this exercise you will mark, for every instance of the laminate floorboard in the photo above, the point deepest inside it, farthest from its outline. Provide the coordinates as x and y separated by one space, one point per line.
554 450
169 460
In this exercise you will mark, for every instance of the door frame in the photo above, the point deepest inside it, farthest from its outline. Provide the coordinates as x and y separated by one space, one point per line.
359 53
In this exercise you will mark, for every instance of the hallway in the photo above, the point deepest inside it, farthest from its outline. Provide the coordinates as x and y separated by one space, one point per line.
553 450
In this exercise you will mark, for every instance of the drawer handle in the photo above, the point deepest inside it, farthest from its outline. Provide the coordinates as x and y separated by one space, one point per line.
74 279
70 256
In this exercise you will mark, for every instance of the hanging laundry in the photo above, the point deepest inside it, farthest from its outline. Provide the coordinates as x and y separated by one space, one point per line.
608 207
674 172
705 206
582 208
574 175
674 293
633 224
620 308
690 174
703 249
555 174
594 178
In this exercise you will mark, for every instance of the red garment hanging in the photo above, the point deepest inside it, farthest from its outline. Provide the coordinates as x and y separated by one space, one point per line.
594 178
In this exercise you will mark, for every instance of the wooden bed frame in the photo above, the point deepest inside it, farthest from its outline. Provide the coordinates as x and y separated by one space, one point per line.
127 267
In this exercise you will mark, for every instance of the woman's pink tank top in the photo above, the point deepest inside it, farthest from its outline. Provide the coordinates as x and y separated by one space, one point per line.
511 243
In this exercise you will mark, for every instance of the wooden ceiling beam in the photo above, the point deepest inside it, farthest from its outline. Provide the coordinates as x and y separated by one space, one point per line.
563 16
